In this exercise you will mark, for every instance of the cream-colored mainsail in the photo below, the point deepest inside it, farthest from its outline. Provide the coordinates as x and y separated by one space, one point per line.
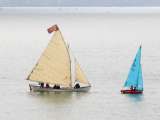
80 76
54 65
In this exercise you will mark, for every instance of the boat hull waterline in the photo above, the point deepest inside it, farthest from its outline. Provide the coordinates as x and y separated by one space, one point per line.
40 89
131 91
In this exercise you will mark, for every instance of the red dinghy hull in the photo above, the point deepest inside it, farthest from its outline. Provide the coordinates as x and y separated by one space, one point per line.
131 91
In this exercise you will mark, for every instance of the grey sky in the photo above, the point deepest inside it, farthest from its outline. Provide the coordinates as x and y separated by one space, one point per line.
14 3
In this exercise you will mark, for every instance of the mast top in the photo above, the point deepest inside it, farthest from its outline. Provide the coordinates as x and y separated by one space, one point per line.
53 28
140 46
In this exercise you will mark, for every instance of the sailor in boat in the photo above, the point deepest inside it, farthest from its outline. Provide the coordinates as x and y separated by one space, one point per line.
131 88
47 85
77 85
134 88
56 86
41 85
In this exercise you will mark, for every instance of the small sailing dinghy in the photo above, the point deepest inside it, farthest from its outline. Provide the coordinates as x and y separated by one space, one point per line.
57 69
134 82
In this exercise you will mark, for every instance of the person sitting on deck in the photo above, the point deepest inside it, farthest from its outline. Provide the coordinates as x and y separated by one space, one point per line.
41 85
77 86
131 88
47 85
134 88
56 87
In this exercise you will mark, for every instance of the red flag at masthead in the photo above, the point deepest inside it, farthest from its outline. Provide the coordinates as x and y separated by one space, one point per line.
52 28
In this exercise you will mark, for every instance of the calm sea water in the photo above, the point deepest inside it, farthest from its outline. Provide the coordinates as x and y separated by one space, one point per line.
104 44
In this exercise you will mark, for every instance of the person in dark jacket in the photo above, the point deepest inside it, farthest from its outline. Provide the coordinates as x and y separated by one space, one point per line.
47 85
131 87
134 88
56 87
41 85
77 86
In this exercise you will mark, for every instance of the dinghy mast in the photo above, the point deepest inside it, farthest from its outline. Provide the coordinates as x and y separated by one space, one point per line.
54 65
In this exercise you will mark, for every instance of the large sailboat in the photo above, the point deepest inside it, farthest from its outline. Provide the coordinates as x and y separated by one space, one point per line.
57 69
134 82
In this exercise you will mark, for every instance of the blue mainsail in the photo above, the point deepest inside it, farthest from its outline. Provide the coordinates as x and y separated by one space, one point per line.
135 78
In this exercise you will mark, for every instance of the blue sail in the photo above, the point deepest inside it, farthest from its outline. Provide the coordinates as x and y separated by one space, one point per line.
140 79
135 78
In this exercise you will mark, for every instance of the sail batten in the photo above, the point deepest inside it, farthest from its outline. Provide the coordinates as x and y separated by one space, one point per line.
54 64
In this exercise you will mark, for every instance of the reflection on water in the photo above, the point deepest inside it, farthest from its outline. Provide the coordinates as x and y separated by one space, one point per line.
57 97
135 97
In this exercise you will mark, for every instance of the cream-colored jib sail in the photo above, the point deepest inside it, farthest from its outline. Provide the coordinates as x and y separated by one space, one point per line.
80 76
77 73
54 65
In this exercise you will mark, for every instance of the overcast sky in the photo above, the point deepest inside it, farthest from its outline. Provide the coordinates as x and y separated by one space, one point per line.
13 3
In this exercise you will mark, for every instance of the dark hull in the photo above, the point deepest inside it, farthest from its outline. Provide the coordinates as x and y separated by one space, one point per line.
131 91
